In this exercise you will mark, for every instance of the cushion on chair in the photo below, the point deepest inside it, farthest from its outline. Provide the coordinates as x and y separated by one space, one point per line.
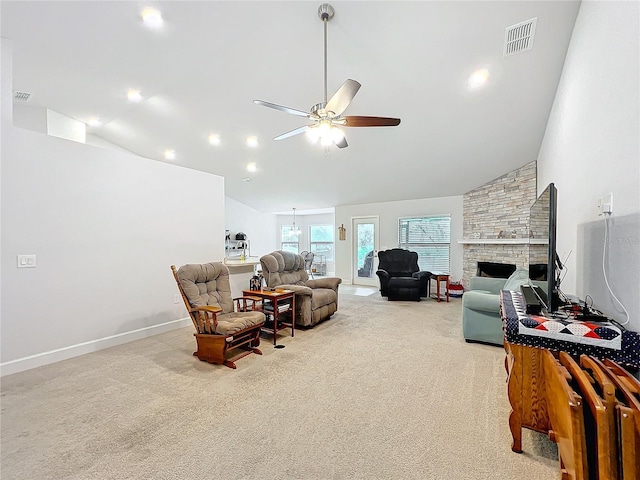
283 268
517 278
207 284
231 323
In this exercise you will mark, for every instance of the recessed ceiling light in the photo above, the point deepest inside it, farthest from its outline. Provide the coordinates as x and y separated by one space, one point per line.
478 78
152 18
214 139
94 122
170 154
251 167
252 141
134 95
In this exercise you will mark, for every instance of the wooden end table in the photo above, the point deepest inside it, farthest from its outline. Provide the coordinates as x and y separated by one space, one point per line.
277 297
441 277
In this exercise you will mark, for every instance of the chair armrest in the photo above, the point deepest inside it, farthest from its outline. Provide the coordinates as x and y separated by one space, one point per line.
328 282
247 303
493 285
382 274
206 308
422 274
206 324
297 289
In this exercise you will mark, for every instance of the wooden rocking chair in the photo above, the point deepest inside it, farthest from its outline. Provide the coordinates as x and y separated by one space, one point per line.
220 327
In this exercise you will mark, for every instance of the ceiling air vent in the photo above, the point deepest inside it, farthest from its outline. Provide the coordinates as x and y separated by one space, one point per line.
519 37
21 96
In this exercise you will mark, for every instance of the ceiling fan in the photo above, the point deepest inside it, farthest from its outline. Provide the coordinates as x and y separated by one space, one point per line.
328 114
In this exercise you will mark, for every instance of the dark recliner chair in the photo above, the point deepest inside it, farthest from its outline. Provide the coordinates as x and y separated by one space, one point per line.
400 276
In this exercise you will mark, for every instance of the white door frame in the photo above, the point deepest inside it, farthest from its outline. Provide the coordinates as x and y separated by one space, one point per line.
375 220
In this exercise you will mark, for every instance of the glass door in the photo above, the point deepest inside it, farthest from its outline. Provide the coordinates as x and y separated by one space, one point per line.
365 251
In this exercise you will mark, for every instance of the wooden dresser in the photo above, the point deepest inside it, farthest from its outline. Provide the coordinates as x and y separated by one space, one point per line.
583 398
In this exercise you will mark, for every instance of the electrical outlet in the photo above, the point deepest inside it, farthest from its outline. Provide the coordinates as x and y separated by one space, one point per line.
176 298
607 203
599 206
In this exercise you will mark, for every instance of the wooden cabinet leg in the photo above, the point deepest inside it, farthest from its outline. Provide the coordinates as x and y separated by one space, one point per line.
515 425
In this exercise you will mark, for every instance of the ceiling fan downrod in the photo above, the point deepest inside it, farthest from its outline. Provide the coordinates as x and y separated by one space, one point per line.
325 12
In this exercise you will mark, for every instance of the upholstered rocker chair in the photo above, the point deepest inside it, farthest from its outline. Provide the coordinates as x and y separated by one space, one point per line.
222 323
316 300
400 276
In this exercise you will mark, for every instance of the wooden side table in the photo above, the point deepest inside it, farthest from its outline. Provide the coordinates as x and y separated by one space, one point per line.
276 298
441 277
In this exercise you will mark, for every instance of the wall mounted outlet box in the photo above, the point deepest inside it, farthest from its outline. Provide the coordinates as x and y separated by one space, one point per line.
26 261
607 203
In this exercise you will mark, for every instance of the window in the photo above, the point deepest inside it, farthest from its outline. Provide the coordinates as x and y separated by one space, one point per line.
290 241
321 241
430 238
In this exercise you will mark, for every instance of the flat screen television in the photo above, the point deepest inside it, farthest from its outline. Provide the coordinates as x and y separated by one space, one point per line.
544 265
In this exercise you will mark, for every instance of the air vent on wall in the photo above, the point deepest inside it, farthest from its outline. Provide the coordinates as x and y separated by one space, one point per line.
519 37
21 96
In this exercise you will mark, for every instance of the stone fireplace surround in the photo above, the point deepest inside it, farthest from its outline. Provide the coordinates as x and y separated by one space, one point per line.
495 221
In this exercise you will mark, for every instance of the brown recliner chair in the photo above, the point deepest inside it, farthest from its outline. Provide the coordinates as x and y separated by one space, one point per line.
316 300
222 323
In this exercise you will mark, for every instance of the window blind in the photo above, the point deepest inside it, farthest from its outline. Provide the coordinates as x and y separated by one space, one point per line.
430 238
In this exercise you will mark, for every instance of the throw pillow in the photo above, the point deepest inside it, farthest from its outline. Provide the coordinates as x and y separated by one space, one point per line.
517 278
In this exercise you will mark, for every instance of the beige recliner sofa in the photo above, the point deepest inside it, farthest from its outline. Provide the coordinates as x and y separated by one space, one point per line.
316 300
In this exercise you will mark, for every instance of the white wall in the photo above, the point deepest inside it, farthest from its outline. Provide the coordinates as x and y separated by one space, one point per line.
30 117
261 231
59 125
591 146
389 213
105 227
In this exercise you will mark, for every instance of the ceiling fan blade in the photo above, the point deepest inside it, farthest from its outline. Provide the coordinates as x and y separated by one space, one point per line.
358 121
342 143
297 131
293 111
342 98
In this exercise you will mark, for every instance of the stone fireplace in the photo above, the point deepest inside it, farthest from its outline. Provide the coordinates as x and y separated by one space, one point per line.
495 217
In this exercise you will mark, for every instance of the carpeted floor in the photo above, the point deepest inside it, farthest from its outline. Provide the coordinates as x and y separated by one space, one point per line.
383 390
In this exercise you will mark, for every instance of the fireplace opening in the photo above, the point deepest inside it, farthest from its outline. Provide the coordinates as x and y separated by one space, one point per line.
495 270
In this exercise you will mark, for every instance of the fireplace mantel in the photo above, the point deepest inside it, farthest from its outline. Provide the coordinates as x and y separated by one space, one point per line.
503 241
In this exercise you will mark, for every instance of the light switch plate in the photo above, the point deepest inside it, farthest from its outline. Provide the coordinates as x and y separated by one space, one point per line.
26 261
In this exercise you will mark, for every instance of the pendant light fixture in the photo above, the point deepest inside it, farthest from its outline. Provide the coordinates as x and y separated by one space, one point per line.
294 230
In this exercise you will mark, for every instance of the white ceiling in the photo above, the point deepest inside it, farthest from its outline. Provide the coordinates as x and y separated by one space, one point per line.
200 73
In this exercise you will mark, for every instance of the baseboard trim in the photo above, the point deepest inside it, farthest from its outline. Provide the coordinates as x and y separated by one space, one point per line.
46 358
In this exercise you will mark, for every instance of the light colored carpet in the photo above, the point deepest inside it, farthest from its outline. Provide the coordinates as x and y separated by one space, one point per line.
383 390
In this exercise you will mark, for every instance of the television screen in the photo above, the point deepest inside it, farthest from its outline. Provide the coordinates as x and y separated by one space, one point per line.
543 263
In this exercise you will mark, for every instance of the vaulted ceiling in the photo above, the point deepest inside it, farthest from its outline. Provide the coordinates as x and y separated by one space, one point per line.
200 72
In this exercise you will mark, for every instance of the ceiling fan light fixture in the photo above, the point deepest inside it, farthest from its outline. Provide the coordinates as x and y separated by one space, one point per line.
313 134
336 135
329 113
